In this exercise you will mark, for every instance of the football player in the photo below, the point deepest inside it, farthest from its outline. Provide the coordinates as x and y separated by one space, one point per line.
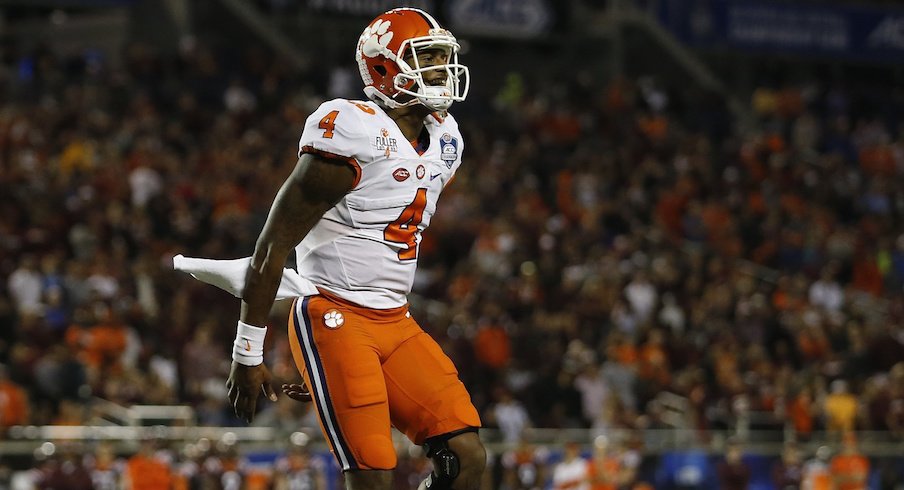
368 177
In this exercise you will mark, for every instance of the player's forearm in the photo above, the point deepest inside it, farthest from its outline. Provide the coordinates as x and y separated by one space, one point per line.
261 284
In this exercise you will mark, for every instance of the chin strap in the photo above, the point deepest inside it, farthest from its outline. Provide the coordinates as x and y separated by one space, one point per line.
436 98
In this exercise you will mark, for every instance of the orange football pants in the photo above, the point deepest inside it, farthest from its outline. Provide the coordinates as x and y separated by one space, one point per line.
369 370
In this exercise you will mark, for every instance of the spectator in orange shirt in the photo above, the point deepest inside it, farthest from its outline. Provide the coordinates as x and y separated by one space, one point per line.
866 274
812 342
624 351
13 402
654 126
144 471
840 408
654 361
102 345
850 469
492 347
604 470
800 413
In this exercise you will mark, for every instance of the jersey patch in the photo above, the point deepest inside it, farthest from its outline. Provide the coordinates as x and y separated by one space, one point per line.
401 174
449 149
385 144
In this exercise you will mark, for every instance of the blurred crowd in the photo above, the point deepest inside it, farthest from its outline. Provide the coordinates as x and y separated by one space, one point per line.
606 464
604 243
651 242
156 466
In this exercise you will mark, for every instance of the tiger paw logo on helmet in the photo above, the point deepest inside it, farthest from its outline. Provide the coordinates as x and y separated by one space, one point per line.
333 319
376 38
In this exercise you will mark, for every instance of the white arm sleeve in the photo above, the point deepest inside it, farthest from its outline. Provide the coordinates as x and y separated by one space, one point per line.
229 275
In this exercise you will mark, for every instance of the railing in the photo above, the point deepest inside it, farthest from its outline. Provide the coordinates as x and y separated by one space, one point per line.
24 440
108 413
761 432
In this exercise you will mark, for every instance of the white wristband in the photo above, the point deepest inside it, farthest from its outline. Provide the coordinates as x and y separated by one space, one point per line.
248 348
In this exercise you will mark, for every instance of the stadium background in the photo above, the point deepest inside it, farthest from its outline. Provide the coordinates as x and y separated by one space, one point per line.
679 227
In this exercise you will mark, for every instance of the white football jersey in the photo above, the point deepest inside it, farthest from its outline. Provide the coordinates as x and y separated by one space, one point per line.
365 248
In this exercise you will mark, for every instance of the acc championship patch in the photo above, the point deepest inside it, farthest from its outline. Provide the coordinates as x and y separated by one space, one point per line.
448 149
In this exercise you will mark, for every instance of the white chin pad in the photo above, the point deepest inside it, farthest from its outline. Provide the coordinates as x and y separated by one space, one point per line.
436 97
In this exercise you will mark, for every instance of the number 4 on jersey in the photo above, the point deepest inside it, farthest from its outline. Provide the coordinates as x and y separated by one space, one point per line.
404 228
328 124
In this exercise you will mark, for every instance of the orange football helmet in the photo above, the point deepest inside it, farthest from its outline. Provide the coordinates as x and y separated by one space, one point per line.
381 51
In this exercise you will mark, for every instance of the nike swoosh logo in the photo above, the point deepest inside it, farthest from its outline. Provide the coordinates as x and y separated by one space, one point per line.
247 345
434 176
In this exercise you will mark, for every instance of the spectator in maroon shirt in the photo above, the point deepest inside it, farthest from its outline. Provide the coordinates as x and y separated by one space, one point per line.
787 474
67 473
733 473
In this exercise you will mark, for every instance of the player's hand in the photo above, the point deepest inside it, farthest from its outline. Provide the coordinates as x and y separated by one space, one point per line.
245 384
297 392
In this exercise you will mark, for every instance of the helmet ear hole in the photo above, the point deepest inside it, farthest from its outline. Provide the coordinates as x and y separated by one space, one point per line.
380 69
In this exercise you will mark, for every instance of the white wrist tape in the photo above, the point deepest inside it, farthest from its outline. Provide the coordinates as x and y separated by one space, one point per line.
248 348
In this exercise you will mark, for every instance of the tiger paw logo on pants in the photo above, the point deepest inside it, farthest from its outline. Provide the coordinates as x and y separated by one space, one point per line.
333 319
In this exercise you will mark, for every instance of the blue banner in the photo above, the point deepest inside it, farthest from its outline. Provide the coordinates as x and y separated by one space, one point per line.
78 3
500 18
368 8
850 31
